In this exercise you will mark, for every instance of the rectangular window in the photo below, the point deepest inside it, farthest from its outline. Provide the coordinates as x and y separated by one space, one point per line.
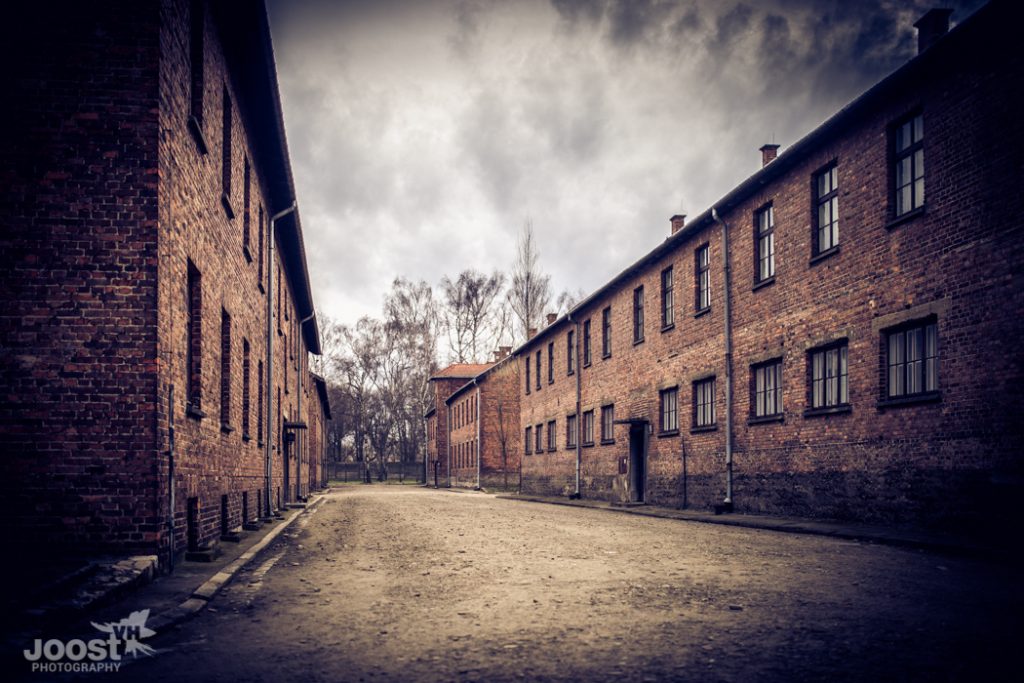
196 81
246 384
608 424
638 314
764 226
606 332
570 353
704 403
259 402
194 347
259 262
551 435
570 431
246 199
912 360
225 368
528 440
908 165
669 410
702 280
826 213
527 358
768 389
225 153
538 369
551 362
538 439
586 342
668 306
588 428
829 382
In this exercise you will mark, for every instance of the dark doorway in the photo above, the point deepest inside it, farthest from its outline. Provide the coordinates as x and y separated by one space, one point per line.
637 463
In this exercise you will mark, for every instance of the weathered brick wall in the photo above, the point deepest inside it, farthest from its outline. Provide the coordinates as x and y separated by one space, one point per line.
945 463
500 442
443 387
78 347
462 416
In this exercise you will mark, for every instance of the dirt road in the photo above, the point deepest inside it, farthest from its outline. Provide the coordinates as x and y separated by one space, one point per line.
405 584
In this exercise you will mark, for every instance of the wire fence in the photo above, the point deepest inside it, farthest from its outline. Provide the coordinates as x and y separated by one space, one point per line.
400 472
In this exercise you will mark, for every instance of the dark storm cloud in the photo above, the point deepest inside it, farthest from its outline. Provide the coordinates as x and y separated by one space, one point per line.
423 134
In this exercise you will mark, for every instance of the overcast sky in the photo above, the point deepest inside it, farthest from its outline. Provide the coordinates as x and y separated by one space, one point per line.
424 134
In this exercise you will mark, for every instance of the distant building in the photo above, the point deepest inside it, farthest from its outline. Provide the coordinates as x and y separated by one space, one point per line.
483 414
142 159
851 351
442 385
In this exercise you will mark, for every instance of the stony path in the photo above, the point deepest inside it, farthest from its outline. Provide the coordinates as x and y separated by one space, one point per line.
405 584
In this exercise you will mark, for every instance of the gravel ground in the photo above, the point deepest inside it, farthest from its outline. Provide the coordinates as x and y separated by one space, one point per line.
393 583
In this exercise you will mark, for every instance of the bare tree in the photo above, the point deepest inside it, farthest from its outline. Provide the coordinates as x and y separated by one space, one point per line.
332 342
567 300
530 289
470 319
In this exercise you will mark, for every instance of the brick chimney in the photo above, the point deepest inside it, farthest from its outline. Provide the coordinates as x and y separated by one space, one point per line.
677 222
768 153
531 333
932 26
502 353
552 317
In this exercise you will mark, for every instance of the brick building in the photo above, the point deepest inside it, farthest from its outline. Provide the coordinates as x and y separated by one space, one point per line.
142 164
484 438
319 414
442 385
775 358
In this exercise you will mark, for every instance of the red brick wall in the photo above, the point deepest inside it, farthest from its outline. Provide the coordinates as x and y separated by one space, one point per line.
437 452
945 463
109 197
78 346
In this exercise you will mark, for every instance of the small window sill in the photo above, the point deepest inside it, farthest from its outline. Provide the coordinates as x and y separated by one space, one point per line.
552 449
226 203
905 218
246 437
668 434
607 442
605 356
703 311
668 328
247 253
766 419
226 428
819 257
550 382
587 445
196 129
914 400
587 364
637 342
259 444
830 410
705 428
194 412
763 283
570 373
570 447
263 290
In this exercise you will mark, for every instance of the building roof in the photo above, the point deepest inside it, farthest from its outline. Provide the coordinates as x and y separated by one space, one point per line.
949 46
476 379
245 33
321 391
433 409
461 371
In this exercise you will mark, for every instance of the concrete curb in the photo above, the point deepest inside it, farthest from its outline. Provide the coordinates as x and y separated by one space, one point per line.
881 536
212 586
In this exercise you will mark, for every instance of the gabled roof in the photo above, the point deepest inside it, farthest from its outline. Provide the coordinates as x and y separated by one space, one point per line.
245 33
461 371
321 391
952 46
476 378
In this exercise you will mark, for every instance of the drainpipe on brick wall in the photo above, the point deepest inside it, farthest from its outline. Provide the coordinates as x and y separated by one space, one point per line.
478 449
448 444
298 437
170 480
727 503
579 418
268 447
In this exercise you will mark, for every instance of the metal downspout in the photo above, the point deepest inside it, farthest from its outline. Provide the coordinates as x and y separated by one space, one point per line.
579 417
170 480
728 360
478 449
269 445
298 437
